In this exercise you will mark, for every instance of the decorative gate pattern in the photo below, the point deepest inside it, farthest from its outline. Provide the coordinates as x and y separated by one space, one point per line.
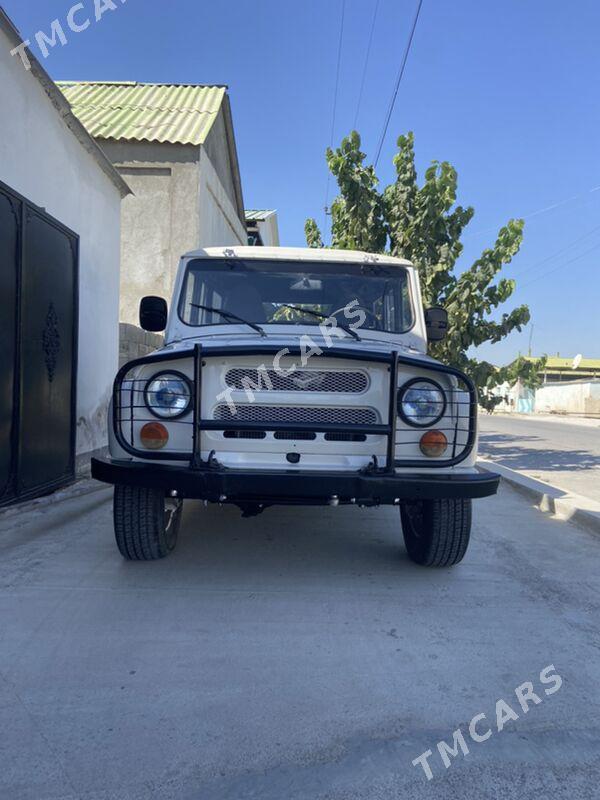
38 349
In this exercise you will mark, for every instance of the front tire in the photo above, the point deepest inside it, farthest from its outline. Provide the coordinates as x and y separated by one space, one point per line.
146 522
436 532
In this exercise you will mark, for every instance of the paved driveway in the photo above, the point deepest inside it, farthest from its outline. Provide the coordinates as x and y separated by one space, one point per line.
294 656
564 454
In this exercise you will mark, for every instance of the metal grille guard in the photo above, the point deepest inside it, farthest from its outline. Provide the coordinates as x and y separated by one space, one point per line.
393 360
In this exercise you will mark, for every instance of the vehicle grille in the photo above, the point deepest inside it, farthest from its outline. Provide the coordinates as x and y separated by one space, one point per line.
345 437
295 436
317 416
352 382
244 435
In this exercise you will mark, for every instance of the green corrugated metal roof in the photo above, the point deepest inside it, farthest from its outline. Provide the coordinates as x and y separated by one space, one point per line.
150 112
555 362
253 214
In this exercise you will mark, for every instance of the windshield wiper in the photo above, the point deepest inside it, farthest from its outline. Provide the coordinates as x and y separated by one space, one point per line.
229 315
317 314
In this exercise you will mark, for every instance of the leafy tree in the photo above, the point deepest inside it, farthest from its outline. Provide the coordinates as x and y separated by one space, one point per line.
526 370
313 234
423 224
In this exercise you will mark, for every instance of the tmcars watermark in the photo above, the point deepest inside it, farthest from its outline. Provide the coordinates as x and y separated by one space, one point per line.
479 731
77 19
328 328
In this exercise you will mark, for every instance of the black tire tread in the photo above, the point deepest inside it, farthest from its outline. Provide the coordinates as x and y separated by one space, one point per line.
446 533
139 523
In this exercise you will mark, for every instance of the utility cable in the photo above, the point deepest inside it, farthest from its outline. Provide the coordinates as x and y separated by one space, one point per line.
335 101
365 65
397 84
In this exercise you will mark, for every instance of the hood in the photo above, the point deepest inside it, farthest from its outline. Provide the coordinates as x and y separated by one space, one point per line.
279 341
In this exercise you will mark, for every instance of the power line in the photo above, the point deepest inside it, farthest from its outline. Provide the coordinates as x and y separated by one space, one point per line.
561 265
398 81
337 72
557 253
335 100
366 64
539 211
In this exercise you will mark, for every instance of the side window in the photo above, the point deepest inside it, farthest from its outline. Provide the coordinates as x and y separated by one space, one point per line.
216 301
389 307
405 321
198 290
188 312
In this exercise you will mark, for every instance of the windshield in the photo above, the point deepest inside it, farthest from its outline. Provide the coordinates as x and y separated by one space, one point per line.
296 293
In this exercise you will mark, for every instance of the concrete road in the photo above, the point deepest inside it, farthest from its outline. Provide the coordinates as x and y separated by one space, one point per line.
564 454
294 656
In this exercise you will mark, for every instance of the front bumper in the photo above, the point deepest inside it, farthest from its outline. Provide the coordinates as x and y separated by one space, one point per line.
294 487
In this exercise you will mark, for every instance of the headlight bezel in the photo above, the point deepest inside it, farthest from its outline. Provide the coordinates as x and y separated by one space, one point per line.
174 374
400 403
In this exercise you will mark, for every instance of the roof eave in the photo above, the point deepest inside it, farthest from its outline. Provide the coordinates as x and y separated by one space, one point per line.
259 216
233 157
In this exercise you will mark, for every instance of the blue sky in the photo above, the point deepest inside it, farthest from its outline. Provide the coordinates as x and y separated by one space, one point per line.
507 92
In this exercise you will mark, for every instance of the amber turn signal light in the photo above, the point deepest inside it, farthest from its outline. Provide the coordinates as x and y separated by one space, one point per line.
433 444
154 435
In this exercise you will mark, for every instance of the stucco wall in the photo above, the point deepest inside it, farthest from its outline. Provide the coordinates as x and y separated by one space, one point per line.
572 397
269 231
179 203
219 220
44 161
159 221
218 152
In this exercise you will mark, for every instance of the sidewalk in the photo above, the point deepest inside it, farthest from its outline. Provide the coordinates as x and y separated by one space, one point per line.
549 499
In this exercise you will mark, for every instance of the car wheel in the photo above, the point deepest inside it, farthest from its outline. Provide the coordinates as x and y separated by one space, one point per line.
146 522
436 532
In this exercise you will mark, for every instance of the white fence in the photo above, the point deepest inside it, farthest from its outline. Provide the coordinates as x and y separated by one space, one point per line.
569 397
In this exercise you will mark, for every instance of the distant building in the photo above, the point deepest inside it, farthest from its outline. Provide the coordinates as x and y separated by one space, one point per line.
569 386
263 228
515 397
175 147
563 369
60 200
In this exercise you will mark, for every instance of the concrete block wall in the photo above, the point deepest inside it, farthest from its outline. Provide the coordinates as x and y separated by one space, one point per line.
135 342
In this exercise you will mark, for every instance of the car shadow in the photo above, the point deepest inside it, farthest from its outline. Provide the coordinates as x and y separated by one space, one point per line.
296 537
285 548
510 451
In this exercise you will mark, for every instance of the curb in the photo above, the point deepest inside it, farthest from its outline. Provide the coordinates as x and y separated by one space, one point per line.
550 499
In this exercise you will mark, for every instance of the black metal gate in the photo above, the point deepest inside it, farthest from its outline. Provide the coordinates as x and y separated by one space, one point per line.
38 349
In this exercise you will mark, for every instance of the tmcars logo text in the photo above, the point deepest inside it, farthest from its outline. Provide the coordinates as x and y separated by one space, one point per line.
77 19
480 729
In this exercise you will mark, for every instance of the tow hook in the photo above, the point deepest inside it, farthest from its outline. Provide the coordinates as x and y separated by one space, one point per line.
372 466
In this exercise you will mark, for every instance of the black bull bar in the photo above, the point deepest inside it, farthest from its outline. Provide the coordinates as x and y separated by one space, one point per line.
209 480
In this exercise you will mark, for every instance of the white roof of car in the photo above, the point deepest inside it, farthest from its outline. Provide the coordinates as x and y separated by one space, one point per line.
297 254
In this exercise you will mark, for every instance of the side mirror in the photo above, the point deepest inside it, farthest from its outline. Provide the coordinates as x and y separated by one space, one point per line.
436 324
153 314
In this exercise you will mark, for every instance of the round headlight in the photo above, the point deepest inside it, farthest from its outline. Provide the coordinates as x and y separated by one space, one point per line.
421 402
168 395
